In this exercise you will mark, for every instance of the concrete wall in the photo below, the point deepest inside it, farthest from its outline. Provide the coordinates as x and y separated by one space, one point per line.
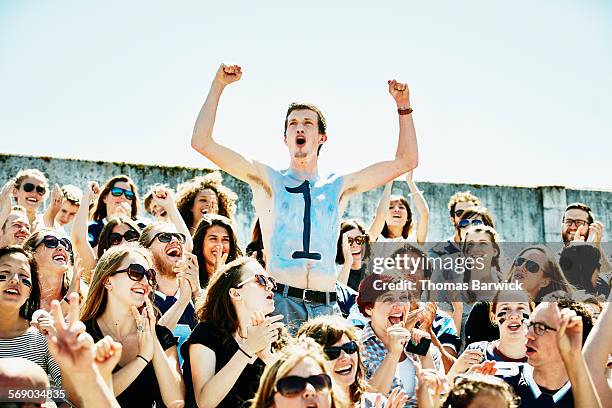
521 214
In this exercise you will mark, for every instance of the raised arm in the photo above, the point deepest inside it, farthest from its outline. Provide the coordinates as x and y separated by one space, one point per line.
55 205
202 140
422 225
381 213
596 350
406 155
164 197
79 231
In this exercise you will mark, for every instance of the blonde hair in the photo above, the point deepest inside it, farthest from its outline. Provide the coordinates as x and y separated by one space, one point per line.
289 358
95 304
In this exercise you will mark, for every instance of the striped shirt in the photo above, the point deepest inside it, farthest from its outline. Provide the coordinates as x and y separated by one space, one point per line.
32 345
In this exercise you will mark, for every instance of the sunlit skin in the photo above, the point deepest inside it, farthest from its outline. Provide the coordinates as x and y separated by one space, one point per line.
16 229
302 136
575 214
31 201
205 202
14 277
253 296
339 368
531 282
310 396
165 254
479 246
112 202
216 238
356 249
396 217
125 290
66 213
389 309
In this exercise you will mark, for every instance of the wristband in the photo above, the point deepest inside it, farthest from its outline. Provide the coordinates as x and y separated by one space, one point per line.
406 111
245 353
145 360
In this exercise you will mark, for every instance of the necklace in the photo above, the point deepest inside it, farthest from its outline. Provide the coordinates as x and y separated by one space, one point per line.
108 329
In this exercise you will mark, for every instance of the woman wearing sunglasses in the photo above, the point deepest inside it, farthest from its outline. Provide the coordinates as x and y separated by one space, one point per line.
537 269
227 351
119 305
31 189
353 239
341 346
298 378
214 244
52 251
118 196
394 220
204 195
19 298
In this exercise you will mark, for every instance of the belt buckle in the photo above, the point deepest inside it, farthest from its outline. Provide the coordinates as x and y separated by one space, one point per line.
304 296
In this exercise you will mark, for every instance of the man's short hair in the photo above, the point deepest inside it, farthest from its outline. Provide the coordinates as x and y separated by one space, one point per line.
580 206
462 197
72 193
322 123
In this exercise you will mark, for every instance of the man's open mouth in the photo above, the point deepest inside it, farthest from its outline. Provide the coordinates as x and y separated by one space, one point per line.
300 140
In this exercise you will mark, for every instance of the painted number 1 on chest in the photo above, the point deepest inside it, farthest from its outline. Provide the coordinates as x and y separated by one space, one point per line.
305 253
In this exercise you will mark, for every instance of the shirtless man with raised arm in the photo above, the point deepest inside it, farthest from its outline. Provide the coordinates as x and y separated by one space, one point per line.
299 211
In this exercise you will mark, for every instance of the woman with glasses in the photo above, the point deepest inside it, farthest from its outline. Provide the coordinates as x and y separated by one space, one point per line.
204 195
298 378
537 270
228 350
118 196
394 220
19 298
119 305
214 244
31 189
52 251
353 239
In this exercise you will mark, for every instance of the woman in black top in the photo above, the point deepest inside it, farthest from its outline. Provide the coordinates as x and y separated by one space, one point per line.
119 305
227 351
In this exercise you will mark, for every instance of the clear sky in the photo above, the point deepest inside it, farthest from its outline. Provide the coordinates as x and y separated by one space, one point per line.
504 92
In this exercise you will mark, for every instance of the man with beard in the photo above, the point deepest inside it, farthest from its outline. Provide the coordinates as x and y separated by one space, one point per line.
177 278
299 210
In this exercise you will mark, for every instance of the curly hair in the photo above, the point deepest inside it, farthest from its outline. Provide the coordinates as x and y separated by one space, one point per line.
462 197
468 386
187 192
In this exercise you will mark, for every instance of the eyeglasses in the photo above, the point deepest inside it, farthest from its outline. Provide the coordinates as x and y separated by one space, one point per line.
117 191
465 223
579 223
136 272
293 385
29 187
530 265
52 242
359 240
264 281
539 328
130 235
333 352
166 237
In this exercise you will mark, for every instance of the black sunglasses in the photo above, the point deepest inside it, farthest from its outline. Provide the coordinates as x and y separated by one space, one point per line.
530 265
459 213
465 223
333 352
130 235
294 385
136 272
29 187
117 191
52 242
262 280
359 240
166 237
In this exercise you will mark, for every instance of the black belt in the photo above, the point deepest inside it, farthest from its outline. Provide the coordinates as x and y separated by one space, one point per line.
306 294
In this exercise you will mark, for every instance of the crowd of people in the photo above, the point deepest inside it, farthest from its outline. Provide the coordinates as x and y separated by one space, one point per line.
106 305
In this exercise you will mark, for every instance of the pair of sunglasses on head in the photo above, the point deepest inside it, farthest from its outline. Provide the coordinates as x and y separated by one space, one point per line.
467 223
264 281
293 385
29 187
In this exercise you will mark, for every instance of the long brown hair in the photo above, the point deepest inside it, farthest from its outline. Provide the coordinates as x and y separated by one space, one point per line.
208 221
551 270
99 211
288 358
35 240
95 304
327 331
